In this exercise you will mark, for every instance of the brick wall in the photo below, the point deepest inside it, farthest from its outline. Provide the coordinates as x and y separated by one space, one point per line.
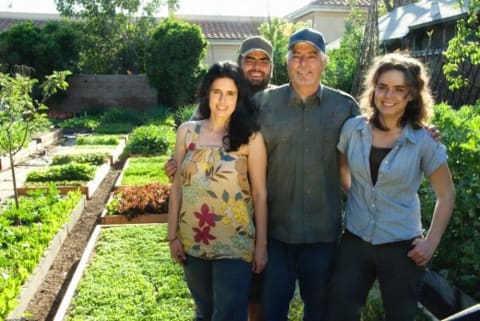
105 91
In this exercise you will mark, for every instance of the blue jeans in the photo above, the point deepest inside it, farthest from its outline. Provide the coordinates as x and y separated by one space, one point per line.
311 264
219 288
357 266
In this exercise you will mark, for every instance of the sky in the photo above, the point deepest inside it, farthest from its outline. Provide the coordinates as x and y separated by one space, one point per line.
200 7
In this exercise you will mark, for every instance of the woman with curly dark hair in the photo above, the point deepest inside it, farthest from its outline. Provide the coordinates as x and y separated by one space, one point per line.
217 209
383 158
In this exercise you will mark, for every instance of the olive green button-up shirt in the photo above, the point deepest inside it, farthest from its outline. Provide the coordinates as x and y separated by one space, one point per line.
304 196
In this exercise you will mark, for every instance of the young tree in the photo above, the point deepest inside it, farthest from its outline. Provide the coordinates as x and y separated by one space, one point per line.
174 61
464 49
19 112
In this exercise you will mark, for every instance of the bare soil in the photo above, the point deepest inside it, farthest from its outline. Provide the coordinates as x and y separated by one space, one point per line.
46 301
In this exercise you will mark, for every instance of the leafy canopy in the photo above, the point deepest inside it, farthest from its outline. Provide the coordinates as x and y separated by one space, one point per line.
54 46
114 33
464 49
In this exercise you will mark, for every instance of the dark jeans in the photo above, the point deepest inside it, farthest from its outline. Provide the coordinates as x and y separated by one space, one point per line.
357 266
256 288
219 288
311 264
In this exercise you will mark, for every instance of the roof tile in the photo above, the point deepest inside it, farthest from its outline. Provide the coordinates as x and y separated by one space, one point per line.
340 3
228 30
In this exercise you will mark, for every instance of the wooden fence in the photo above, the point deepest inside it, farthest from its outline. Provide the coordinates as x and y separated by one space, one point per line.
439 84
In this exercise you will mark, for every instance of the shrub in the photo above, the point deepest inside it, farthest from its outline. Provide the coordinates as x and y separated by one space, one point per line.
159 115
98 140
183 46
150 140
85 122
458 256
122 115
52 47
104 121
114 128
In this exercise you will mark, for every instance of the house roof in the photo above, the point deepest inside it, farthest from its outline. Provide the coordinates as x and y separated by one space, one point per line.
327 5
398 22
340 3
227 27
8 19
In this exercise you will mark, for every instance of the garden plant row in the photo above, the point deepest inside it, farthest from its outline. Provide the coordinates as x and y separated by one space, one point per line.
66 175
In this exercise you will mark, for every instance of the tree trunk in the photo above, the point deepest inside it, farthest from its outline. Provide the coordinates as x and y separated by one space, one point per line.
369 48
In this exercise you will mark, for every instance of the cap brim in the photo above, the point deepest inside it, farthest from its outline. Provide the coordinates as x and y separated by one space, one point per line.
256 49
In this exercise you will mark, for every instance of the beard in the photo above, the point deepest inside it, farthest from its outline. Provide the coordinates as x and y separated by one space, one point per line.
257 85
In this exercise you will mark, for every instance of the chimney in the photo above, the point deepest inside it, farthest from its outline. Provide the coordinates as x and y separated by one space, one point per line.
435 10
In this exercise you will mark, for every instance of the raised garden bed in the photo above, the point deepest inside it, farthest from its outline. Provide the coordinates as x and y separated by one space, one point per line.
87 189
141 170
126 273
137 205
37 277
22 155
140 219
39 143
46 139
114 151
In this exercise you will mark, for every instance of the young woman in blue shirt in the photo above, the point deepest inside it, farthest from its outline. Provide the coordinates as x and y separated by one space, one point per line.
383 157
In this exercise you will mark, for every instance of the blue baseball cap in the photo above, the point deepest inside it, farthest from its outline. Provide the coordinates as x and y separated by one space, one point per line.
313 37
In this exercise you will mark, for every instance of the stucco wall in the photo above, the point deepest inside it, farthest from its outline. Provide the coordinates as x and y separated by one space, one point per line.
87 91
217 52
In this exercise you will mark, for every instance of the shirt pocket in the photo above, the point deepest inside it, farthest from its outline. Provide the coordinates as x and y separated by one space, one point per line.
278 134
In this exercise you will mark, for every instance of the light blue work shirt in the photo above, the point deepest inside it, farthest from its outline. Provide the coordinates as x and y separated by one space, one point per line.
388 211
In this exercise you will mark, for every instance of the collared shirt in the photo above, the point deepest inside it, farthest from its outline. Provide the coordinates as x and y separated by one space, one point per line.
304 198
388 211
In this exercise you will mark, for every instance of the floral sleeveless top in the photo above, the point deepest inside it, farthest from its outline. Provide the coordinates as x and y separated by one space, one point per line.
216 218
